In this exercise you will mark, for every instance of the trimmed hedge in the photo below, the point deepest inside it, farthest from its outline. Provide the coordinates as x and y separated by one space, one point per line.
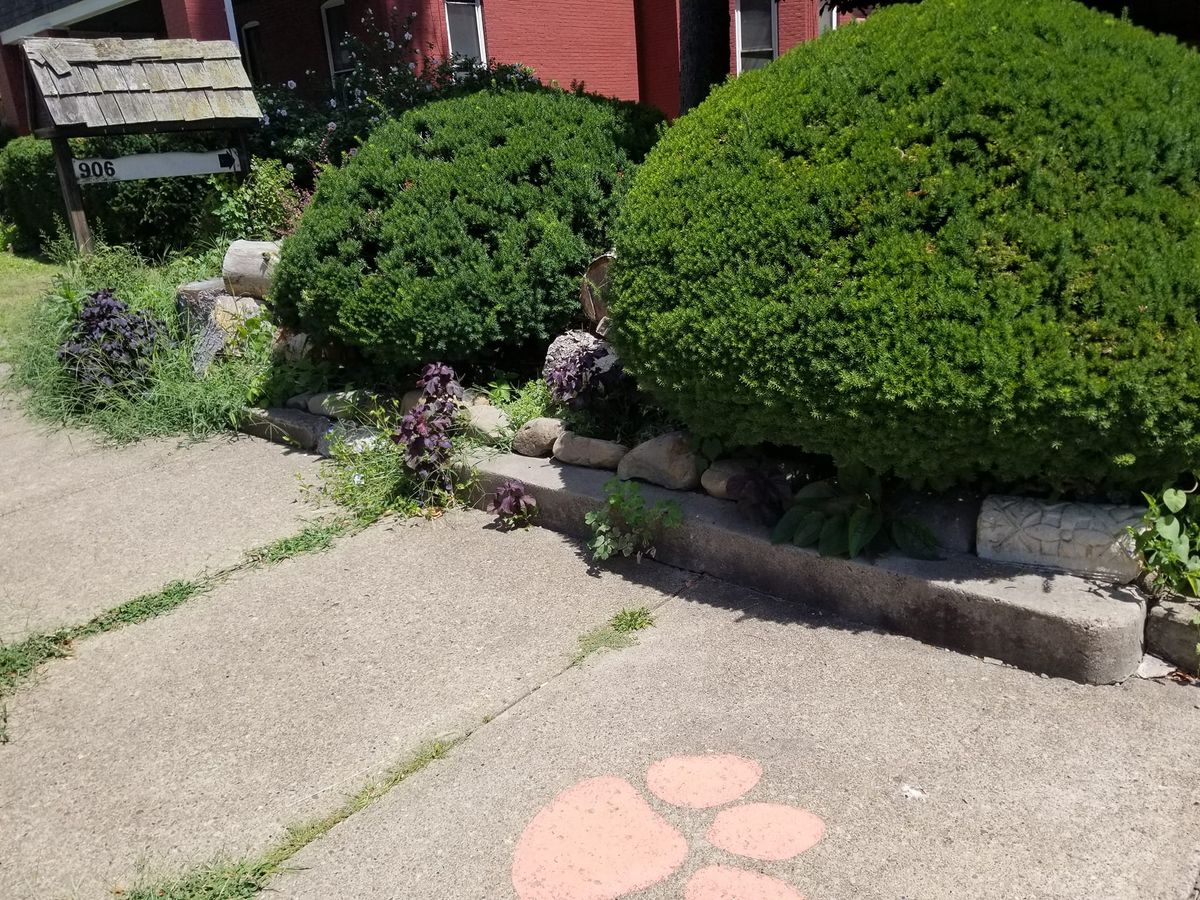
460 230
151 216
959 239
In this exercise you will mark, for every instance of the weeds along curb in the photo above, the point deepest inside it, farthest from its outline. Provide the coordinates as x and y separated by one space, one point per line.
1045 622
20 660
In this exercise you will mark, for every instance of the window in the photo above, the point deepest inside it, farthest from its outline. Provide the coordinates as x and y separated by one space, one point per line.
333 16
464 22
827 19
757 33
252 51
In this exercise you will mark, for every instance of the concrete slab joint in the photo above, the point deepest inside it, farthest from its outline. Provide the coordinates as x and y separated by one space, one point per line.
1053 623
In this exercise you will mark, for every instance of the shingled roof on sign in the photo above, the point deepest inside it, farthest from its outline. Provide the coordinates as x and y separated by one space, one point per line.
115 86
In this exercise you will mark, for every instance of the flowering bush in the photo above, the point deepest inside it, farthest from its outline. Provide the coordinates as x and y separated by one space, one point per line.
110 345
389 75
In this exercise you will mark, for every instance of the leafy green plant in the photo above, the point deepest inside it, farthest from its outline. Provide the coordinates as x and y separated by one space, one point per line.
1168 543
459 230
167 398
627 620
266 206
926 244
626 526
846 516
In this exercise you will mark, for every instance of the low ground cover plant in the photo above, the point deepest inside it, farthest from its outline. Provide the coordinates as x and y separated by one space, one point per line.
1168 542
459 230
106 350
514 506
626 525
930 245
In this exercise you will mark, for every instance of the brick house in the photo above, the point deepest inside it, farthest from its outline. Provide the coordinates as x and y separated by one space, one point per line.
664 52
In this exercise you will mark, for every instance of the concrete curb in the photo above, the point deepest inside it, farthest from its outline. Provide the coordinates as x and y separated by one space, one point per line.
1171 634
1047 622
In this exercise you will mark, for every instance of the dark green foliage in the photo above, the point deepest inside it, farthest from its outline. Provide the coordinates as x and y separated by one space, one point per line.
151 216
461 229
958 239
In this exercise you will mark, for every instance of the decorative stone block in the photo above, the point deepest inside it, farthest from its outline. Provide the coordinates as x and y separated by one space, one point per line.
1090 538
249 268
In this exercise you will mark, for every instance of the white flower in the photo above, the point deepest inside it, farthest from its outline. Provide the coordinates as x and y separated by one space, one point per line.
333 104
357 479
266 119
412 67
291 168
332 126
408 35
283 112
291 85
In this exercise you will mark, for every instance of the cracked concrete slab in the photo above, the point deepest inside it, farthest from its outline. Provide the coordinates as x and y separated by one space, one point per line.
210 729
936 775
85 527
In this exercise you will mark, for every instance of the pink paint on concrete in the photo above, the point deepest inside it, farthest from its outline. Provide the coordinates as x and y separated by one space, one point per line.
728 883
597 840
700 782
768 831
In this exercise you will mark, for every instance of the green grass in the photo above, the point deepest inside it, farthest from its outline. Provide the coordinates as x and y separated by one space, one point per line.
23 280
616 634
18 661
239 879
172 400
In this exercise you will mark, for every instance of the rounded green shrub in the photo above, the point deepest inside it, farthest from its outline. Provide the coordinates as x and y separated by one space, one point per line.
460 230
960 239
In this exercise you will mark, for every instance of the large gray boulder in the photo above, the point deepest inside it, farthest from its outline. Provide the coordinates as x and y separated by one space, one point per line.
594 453
567 346
486 422
537 436
249 268
716 477
667 460
355 405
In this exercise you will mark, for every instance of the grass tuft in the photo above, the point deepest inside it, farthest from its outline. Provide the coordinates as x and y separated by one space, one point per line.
242 879
628 620
314 538
615 634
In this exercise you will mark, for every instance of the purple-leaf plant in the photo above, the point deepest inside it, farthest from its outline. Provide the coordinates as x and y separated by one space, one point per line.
513 506
110 345
578 379
425 432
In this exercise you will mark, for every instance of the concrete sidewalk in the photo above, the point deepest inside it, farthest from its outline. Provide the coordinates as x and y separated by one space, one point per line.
84 527
209 730
936 775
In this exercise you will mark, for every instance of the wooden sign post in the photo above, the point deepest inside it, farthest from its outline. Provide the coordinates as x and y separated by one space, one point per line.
108 86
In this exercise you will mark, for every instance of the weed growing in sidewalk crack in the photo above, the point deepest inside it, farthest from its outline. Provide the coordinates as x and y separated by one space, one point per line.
21 659
245 878
615 634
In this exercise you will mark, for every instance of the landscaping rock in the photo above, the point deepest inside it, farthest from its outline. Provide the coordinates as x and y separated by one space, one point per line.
573 343
357 437
249 268
408 401
716 477
486 422
286 426
594 453
356 405
1090 538
299 401
667 460
195 302
1171 634
537 436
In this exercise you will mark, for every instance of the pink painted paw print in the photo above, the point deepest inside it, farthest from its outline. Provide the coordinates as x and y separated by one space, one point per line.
600 839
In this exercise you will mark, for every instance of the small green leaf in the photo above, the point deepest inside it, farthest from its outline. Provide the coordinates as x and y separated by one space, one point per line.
815 493
914 539
864 525
1174 499
835 537
1168 527
786 526
809 531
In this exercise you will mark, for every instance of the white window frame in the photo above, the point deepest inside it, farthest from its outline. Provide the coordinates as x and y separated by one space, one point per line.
833 18
478 25
737 27
328 5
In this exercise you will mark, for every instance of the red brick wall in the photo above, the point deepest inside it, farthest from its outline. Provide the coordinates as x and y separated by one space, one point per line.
204 20
658 54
